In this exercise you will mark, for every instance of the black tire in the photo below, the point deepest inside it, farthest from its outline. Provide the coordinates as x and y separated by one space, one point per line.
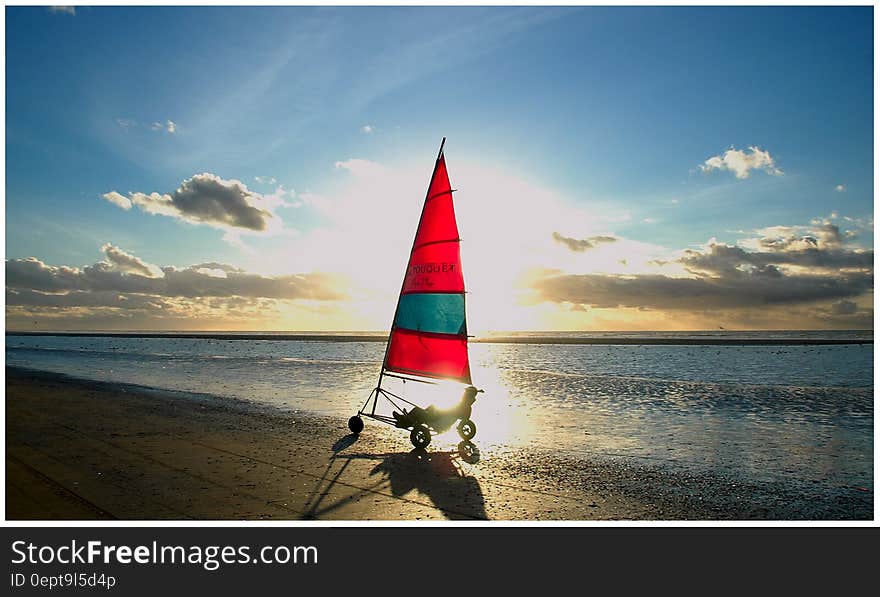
420 436
356 424
469 452
467 429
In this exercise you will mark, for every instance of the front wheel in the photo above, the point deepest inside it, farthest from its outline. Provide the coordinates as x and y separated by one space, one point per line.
467 429
420 437
356 424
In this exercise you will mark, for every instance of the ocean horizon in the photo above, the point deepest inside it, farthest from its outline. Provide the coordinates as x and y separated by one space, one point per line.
781 337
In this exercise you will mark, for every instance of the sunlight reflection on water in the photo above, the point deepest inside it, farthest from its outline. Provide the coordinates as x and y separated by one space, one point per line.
803 411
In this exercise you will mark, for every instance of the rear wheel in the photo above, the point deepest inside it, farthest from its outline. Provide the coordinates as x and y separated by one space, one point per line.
420 436
467 429
356 424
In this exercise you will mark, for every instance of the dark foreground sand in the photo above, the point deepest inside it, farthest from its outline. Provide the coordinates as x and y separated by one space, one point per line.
90 450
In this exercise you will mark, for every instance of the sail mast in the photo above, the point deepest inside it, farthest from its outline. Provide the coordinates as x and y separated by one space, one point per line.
403 283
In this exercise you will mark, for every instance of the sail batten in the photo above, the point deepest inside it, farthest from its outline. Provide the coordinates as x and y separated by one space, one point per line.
429 331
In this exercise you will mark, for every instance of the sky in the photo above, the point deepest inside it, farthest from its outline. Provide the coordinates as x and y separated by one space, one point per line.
643 168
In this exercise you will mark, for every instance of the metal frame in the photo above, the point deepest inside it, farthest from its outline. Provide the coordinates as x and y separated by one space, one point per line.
374 397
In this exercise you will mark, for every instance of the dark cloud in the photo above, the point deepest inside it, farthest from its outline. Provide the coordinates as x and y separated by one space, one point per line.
205 199
815 269
31 273
727 260
582 244
81 298
96 311
762 287
844 308
103 277
822 235
192 282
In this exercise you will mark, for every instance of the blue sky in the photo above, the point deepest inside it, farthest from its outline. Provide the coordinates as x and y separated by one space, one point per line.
610 110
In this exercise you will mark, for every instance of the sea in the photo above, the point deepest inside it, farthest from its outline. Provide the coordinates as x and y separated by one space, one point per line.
769 406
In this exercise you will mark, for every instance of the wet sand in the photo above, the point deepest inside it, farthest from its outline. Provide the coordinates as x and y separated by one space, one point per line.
84 450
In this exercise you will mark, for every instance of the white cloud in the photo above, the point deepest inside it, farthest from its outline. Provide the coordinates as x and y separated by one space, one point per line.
841 188
265 179
742 163
169 126
126 123
367 129
118 200
273 201
362 168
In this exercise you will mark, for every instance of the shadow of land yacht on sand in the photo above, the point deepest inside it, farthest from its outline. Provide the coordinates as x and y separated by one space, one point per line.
411 476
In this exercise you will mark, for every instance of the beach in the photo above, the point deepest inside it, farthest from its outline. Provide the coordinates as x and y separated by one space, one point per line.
87 450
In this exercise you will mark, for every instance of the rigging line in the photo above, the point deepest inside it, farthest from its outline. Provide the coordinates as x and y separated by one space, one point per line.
415 379
434 242
440 194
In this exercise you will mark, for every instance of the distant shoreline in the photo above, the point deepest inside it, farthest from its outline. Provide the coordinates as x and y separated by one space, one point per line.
601 340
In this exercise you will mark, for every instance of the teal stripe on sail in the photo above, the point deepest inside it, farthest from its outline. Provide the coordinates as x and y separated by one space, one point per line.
434 313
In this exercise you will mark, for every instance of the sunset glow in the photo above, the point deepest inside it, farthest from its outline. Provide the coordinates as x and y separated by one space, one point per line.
288 201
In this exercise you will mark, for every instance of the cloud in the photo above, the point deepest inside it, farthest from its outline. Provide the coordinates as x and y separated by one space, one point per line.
742 163
206 199
169 126
844 308
581 245
124 286
265 179
821 233
31 273
812 271
761 287
126 123
71 10
127 274
128 263
367 129
721 259
362 168
841 188
118 200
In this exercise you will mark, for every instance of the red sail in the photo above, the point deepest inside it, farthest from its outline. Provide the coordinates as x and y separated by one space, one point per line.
430 355
429 334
